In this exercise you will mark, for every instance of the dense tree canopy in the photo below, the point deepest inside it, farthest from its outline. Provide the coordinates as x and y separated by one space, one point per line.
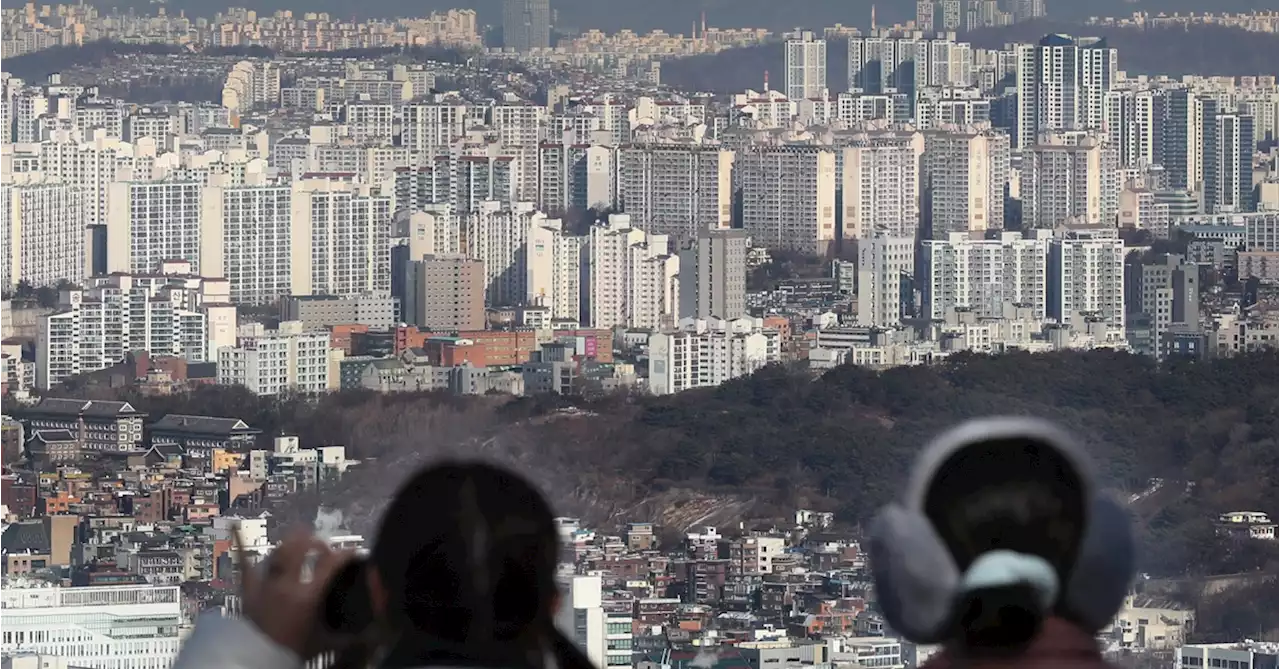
842 441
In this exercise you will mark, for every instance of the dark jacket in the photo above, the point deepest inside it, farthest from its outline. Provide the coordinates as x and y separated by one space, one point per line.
1059 645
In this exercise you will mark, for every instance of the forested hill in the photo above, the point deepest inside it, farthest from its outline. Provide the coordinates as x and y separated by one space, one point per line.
758 447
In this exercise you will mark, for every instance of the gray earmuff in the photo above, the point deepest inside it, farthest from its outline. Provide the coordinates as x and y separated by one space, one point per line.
917 580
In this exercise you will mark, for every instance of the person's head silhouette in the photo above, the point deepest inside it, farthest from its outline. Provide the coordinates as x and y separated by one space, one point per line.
1000 529
462 571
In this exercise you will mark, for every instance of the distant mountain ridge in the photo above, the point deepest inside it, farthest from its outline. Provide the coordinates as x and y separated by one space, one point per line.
676 16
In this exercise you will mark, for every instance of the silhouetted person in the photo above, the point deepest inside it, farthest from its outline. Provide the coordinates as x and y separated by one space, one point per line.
1002 550
462 574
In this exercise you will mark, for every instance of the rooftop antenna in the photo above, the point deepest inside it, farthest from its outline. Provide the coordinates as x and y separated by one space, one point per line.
873 17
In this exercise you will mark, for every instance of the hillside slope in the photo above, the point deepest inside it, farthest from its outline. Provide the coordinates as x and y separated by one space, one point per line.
758 447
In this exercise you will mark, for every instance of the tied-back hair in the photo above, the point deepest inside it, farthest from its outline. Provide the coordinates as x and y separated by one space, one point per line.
467 554
1017 495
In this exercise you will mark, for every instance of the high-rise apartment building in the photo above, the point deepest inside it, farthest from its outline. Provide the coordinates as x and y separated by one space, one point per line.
984 275
1182 124
42 233
952 16
553 261
703 353
526 24
574 176
713 275
1086 278
1070 178
149 222
886 270
1228 161
789 197
631 276
250 240
677 190
499 238
1062 85
886 63
270 362
445 293
96 328
925 10
963 180
881 186
347 230
806 66
1169 294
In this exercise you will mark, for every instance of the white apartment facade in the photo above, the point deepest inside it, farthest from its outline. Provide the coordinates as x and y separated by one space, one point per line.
676 190
632 276
806 66
881 187
149 222
347 228
249 239
1086 278
271 362
983 275
42 234
789 197
963 177
582 618
96 627
96 328
1069 178
704 353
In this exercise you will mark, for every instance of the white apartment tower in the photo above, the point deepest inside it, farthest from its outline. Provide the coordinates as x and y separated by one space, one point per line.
250 241
983 275
881 186
886 265
271 362
500 238
704 353
96 328
789 197
675 189
964 174
347 228
1062 85
553 262
632 276
1086 278
1072 178
149 222
42 234
806 65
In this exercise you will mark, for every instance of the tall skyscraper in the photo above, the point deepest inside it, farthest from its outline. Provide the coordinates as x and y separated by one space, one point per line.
526 24
806 64
1063 85
1228 160
713 275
